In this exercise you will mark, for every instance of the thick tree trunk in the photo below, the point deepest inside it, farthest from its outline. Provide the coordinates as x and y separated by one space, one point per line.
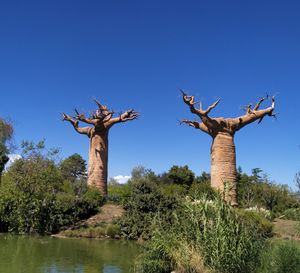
98 161
223 166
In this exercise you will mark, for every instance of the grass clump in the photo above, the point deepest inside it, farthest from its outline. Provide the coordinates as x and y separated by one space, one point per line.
206 236
102 231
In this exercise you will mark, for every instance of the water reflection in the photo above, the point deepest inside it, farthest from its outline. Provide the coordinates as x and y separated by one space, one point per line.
34 254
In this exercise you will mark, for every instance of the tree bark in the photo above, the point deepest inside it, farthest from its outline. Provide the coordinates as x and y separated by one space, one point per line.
223 166
98 161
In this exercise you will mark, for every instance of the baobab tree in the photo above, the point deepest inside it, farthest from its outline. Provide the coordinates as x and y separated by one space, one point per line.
101 121
222 130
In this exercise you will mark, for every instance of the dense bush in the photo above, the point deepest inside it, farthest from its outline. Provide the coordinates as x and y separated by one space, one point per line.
255 190
181 175
292 214
118 193
173 190
145 203
204 235
252 218
34 199
202 188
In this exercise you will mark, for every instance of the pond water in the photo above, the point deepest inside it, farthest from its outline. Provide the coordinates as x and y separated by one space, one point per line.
37 254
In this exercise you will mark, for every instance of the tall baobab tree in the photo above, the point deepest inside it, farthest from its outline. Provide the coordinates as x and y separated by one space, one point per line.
222 131
101 121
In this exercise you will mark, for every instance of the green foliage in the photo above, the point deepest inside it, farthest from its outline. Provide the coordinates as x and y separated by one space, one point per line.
101 231
252 218
298 229
203 178
33 197
181 175
174 190
257 191
73 167
281 257
202 188
146 201
118 193
205 234
113 231
6 132
292 214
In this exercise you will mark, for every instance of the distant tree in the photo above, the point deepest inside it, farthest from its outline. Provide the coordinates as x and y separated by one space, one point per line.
203 178
164 179
257 175
6 132
73 167
140 171
181 175
113 182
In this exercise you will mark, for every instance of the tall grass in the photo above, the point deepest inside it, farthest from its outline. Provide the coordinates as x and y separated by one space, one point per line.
206 236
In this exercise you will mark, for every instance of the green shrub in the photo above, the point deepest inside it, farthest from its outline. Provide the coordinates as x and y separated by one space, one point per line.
281 257
118 193
174 190
181 175
198 190
298 229
252 218
258 191
35 199
113 230
292 214
145 202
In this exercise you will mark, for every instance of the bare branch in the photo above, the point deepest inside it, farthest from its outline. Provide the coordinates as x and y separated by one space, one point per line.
253 115
248 108
256 107
195 124
190 101
74 122
108 117
129 115
212 106
123 117
100 106
81 117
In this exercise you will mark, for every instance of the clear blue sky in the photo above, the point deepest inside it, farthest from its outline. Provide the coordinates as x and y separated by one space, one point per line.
57 55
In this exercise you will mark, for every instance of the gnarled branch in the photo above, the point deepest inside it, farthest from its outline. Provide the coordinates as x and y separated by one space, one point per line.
190 101
123 117
81 117
254 114
195 124
74 122
203 114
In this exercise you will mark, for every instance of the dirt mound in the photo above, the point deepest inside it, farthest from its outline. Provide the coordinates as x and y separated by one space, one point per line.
108 213
286 229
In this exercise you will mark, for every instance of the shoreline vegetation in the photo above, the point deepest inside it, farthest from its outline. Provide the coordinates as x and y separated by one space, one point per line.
181 223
